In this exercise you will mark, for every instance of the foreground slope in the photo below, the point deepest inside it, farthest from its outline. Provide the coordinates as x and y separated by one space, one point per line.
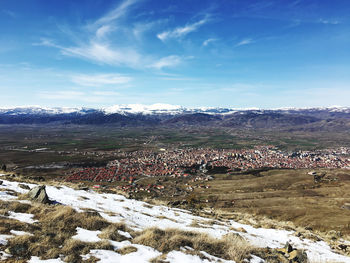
140 216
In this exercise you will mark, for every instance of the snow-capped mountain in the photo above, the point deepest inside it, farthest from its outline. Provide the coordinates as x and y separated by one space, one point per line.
158 108
330 118
42 110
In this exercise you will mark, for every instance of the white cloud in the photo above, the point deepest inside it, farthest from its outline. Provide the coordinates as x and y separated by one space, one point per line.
100 79
102 48
206 42
140 28
103 53
116 13
329 22
182 31
244 42
67 95
169 61
103 30
105 93
10 13
45 42
90 97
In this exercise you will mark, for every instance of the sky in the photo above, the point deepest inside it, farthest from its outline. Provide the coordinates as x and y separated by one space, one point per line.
224 53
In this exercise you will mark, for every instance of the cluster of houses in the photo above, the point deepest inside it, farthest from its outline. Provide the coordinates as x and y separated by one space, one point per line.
140 188
184 162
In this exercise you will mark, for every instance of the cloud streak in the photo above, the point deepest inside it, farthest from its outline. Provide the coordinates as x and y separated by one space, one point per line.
169 61
10 13
100 79
329 22
61 95
67 95
180 32
116 13
208 41
105 54
100 49
244 42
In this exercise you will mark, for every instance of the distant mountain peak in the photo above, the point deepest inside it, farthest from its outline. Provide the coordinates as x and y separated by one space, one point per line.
158 109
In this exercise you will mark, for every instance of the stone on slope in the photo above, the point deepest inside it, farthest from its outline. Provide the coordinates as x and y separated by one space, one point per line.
39 194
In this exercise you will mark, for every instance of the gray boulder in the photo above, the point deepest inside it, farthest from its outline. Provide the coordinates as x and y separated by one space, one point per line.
39 194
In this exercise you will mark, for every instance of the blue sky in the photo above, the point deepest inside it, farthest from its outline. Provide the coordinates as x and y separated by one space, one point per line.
97 53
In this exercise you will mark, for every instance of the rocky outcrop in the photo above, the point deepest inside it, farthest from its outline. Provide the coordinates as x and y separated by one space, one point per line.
292 254
38 194
287 254
346 206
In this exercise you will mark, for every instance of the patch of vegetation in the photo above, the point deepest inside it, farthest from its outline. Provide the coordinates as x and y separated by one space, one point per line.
231 246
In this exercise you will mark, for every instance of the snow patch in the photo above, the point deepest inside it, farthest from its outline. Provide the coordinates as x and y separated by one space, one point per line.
4 238
256 259
180 257
4 255
38 260
125 234
143 254
23 217
20 233
135 214
87 235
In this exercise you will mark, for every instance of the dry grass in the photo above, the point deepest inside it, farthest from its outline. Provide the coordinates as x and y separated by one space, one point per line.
111 232
7 224
73 248
229 247
285 196
52 235
159 259
126 250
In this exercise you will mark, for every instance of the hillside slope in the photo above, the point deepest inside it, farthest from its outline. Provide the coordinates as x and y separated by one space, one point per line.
140 216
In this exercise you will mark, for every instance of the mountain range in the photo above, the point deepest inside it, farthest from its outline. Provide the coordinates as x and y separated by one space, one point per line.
313 119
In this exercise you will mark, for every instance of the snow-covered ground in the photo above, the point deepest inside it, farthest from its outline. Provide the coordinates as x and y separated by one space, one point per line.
140 215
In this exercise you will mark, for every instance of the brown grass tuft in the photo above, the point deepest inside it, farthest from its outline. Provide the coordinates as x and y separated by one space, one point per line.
229 247
111 232
126 250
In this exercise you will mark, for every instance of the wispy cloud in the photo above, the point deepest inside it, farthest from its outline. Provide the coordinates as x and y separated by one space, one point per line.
103 31
116 13
100 79
10 13
105 93
66 95
182 31
45 42
99 52
330 22
101 48
169 61
91 97
140 28
105 54
208 41
245 41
